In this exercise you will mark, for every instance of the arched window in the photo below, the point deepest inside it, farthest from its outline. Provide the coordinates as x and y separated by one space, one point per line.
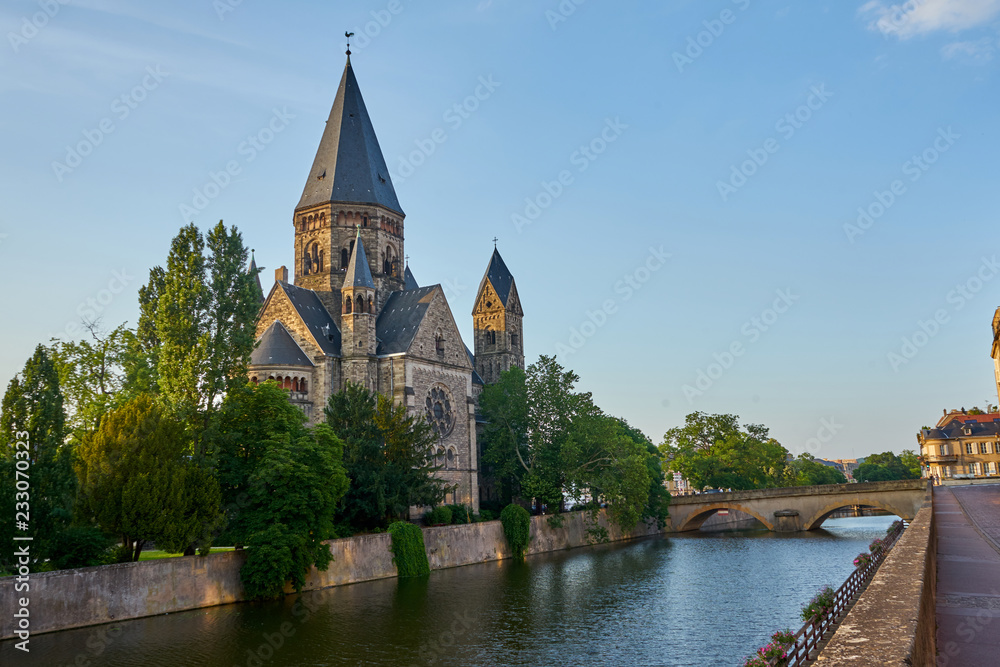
347 306
345 258
303 386
361 305
451 459
439 344
254 379
320 260
370 309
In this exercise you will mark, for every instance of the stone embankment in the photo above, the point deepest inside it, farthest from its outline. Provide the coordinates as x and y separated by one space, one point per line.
89 596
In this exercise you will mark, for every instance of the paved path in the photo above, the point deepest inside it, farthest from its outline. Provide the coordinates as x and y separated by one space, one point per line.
968 575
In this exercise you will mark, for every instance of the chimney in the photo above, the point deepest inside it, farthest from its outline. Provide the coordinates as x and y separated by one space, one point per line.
281 275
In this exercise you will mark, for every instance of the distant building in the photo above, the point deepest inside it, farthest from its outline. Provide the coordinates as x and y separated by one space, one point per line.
995 352
961 445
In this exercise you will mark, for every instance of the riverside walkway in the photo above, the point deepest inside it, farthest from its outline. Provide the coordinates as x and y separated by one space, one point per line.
968 575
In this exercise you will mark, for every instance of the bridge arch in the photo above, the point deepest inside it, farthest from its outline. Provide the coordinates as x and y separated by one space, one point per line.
817 519
694 521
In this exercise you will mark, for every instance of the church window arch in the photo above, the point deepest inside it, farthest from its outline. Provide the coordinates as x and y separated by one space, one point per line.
439 343
347 305
360 308
345 258
451 459
370 310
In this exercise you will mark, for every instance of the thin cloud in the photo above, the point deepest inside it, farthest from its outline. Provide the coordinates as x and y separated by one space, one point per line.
920 17
977 52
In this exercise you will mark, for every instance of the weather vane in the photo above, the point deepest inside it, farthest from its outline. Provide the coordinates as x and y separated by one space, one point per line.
348 35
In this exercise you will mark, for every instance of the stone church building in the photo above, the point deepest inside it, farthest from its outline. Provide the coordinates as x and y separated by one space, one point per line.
354 311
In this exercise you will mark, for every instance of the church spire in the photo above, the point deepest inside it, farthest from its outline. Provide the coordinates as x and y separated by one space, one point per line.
358 272
349 166
255 272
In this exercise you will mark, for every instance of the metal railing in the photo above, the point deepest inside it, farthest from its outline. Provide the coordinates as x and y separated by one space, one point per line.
812 633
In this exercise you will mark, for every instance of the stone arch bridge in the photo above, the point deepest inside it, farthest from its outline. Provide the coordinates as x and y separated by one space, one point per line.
798 508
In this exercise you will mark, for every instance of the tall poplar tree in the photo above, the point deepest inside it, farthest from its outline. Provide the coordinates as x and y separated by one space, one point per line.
197 323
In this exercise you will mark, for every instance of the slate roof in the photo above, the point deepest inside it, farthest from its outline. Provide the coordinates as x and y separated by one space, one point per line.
349 166
315 316
499 276
277 348
400 317
358 273
409 282
955 429
476 379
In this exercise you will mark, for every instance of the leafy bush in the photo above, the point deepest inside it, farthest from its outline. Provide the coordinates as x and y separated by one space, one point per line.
121 554
80 546
895 525
862 560
438 516
460 514
516 528
821 603
486 515
408 551
777 648
876 546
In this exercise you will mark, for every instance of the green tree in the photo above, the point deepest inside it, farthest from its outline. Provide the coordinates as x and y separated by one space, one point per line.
884 467
32 413
181 317
142 361
807 471
136 480
92 376
201 331
281 483
658 500
715 451
553 404
909 458
603 463
387 455
504 406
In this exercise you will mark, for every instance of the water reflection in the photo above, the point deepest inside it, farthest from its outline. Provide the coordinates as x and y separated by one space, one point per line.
700 599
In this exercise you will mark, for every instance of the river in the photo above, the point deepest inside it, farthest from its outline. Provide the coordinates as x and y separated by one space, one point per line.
706 598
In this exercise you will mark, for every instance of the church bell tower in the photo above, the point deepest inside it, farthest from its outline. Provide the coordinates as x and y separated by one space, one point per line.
496 318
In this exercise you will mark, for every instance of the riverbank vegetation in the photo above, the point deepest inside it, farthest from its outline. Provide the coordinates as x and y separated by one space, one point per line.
549 447
715 451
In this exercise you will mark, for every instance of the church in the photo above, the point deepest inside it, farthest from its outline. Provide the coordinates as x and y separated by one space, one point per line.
354 312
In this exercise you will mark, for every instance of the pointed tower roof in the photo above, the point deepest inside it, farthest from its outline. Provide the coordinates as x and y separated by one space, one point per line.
255 272
358 273
499 276
409 282
349 166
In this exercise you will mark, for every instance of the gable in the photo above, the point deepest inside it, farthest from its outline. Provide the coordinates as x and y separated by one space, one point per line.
304 316
439 321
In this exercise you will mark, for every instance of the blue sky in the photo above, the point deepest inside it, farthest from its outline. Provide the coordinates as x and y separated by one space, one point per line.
663 180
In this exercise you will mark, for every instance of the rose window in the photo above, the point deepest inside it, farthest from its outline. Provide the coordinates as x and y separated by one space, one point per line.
439 412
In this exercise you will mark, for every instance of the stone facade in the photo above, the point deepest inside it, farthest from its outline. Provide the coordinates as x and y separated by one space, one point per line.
961 446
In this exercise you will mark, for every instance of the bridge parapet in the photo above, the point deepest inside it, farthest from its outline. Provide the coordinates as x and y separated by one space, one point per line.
796 508
791 491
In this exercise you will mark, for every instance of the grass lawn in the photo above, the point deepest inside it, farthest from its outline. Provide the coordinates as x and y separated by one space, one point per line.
155 553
